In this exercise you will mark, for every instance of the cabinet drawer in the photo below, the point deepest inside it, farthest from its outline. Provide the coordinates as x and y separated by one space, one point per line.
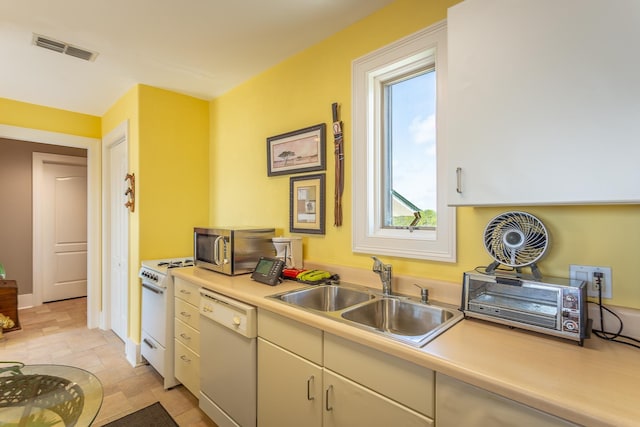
187 335
187 368
188 313
350 404
187 291
296 337
402 381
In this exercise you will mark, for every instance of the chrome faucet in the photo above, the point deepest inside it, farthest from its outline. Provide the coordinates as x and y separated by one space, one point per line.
384 270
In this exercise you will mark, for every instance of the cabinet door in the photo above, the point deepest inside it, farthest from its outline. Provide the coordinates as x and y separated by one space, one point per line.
289 388
461 404
347 404
535 115
404 382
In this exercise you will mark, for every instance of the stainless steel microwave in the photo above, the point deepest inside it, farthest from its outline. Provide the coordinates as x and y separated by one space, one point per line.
231 250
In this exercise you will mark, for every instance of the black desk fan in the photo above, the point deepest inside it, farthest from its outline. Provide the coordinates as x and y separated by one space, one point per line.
516 239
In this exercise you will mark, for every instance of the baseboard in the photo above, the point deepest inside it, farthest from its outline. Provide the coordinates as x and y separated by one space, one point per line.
132 352
25 301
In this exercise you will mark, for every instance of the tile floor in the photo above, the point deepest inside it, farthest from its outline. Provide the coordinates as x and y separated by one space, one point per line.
57 333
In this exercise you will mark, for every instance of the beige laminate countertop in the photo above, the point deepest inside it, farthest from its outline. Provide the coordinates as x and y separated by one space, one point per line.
594 385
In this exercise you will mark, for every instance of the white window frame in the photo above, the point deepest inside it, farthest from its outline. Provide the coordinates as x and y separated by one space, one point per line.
368 72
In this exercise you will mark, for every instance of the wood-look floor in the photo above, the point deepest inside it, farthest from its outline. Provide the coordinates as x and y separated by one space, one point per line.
57 333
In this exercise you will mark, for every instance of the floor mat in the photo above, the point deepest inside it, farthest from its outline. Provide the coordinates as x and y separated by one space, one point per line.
152 416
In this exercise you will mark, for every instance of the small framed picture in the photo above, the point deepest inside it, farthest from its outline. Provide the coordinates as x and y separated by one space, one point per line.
306 205
298 151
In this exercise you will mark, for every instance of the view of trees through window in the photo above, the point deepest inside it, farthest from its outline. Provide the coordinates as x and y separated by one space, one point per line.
410 151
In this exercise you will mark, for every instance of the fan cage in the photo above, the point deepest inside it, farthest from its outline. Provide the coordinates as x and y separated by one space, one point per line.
531 249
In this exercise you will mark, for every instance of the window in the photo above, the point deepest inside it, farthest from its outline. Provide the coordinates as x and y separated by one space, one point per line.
399 148
409 159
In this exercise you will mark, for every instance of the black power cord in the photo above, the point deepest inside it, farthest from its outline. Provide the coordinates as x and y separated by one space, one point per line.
616 337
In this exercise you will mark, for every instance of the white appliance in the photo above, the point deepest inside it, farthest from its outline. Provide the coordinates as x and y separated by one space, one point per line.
157 315
228 348
289 250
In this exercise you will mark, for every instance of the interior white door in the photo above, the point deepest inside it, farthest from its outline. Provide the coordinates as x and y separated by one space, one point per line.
64 231
118 238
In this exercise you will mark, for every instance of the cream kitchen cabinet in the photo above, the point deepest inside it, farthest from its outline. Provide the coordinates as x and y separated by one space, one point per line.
543 102
289 372
187 335
461 404
397 379
349 404
307 377
289 388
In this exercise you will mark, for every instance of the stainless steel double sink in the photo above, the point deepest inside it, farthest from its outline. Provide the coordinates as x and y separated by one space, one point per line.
398 317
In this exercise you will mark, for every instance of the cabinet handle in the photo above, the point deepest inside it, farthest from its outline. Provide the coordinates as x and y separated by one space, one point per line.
185 314
309 382
147 342
326 400
184 291
459 180
185 359
185 336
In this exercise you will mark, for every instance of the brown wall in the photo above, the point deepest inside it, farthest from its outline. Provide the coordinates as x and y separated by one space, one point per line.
16 236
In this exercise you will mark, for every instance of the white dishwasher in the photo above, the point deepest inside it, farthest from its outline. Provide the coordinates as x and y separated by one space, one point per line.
228 360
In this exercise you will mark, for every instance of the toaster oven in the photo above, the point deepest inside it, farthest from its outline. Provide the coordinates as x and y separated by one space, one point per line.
550 306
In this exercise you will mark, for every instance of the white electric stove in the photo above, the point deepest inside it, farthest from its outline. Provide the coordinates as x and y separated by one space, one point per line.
157 315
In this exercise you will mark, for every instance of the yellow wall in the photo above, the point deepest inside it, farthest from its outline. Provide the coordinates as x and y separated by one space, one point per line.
168 152
298 93
168 136
22 114
174 171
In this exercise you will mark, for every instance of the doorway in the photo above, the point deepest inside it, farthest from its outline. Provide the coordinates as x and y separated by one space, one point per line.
92 145
116 231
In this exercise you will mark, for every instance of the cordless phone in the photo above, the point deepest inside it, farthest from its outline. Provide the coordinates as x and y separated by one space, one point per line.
268 271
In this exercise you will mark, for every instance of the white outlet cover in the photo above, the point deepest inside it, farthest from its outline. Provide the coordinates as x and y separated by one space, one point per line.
585 272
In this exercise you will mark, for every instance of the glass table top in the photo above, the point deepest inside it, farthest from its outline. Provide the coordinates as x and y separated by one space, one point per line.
48 395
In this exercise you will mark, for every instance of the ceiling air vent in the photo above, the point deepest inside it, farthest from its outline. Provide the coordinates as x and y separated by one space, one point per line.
62 47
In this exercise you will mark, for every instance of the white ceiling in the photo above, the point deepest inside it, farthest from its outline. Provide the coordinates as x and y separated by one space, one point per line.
201 48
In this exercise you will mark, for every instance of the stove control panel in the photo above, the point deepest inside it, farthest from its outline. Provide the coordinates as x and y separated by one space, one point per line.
149 275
